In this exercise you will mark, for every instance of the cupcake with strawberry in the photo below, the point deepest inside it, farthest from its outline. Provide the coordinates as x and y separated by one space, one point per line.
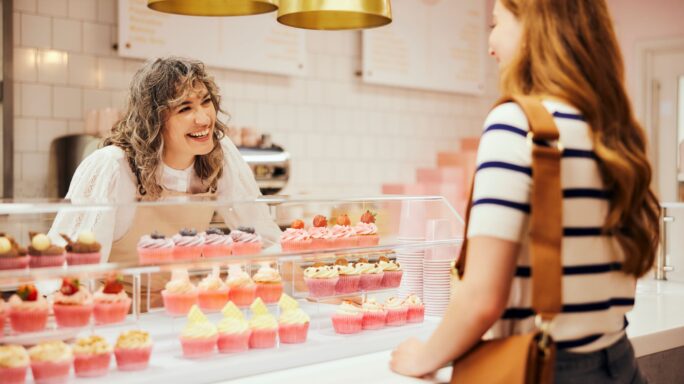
51 362
391 272
111 302
349 277
42 253
179 294
155 248
12 256
85 250
367 231
212 292
397 311
343 235
188 245
374 314
293 324
72 304
216 243
416 309
321 237
233 329
321 280
28 310
371 275
242 287
199 336
133 349
269 285
348 318
14 362
295 238
263 325
92 356
246 241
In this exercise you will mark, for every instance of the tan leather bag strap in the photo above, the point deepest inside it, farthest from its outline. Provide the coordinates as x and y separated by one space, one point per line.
546 218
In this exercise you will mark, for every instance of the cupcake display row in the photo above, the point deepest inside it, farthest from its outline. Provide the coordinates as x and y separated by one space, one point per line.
90 357
341 235
345 278
351 318
43 253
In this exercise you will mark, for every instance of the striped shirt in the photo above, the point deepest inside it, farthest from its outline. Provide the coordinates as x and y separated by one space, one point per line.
596 294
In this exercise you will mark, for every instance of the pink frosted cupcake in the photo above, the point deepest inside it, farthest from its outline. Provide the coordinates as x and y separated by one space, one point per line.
348 318
85 250
12 256
92 356
72 304
199 336
374 315
295 238
242 287
133 350
416 309
216 243
245 241
293 324
349 277
269 285
234 332
321 237
343 234
28 310
212 292
391 272
366 231
42 253
371 275
155 248
14 362
179 294
51 362
188 245
111 302
321 280
397 312
263 325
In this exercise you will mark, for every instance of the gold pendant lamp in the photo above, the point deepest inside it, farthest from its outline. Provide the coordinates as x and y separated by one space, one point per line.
213 7
334 14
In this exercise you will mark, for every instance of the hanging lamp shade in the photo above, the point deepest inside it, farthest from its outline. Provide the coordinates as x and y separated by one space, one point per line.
213 7
334 14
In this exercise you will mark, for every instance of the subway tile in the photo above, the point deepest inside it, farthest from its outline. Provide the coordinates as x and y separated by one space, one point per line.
304 118
25 134
76 126
120 99
25 65
25 5
36 100
68 102
107 11
49 130
34 168
53 7
97 39
52 67
36 31
16 28
17 99
82 70
96 99
82 10
17 169
67 35
112 73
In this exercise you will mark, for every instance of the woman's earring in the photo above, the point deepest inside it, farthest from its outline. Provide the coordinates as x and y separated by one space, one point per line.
491 52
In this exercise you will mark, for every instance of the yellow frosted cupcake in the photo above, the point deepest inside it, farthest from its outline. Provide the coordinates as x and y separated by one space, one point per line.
199 336
264 326
233 330
293 324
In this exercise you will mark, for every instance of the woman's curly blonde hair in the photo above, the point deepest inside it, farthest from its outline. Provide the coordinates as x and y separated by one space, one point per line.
158 86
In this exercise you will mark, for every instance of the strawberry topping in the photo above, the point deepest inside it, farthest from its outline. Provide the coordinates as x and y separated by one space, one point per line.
320 221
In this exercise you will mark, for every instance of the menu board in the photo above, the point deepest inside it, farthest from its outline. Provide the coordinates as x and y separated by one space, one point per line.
436 45
255 43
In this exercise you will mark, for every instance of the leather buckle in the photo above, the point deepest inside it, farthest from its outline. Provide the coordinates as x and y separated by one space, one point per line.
557 144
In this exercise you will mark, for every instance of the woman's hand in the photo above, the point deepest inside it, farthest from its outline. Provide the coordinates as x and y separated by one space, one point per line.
411 359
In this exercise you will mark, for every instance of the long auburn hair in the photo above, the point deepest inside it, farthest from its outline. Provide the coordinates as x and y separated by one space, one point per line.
569 50
155 89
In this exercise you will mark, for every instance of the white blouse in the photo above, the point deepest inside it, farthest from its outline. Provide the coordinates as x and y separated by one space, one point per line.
105 177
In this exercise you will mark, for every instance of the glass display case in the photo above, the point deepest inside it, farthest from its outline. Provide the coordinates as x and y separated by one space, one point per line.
180 261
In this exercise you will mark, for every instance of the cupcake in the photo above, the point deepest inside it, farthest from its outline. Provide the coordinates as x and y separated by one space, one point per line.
242 287
397 312
216 243
84 251
4 310
111 302
133 350
321 237
371 275
343 235
269 286
374 314
349 277
188 245
366 231
12 256
245 241
91 356
199 336
348 318
51 362
233 329
391 272
321 280
416 309
295 238
179 294
72 304
28 310
155 248
263 325
42 253
14 362
293 324
212 292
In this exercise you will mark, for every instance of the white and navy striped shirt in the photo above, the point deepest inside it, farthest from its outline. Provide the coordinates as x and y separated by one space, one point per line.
596 294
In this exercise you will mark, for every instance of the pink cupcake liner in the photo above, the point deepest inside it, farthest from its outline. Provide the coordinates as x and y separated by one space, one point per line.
155 255
347 324
72 315
179 304
321 287
317 244
92 365
111 312
45 372
222 250
213 300
347 284
14 262
396 316
31 320
46 261
198 347
371 281
234 342
243 296
391 279
269 292
367 240
263 338
187 253
296 245
416 313
132 359
82 258
345 242
16 375
374 320
293 333
246 248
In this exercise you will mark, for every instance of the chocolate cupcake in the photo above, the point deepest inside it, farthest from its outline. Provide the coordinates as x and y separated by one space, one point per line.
85 250
42 253
12 256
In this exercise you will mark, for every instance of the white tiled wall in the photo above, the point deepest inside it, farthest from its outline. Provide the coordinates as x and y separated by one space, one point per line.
345 136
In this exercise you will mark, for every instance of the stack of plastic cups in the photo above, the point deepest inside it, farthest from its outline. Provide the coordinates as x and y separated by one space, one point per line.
436 267
411 230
